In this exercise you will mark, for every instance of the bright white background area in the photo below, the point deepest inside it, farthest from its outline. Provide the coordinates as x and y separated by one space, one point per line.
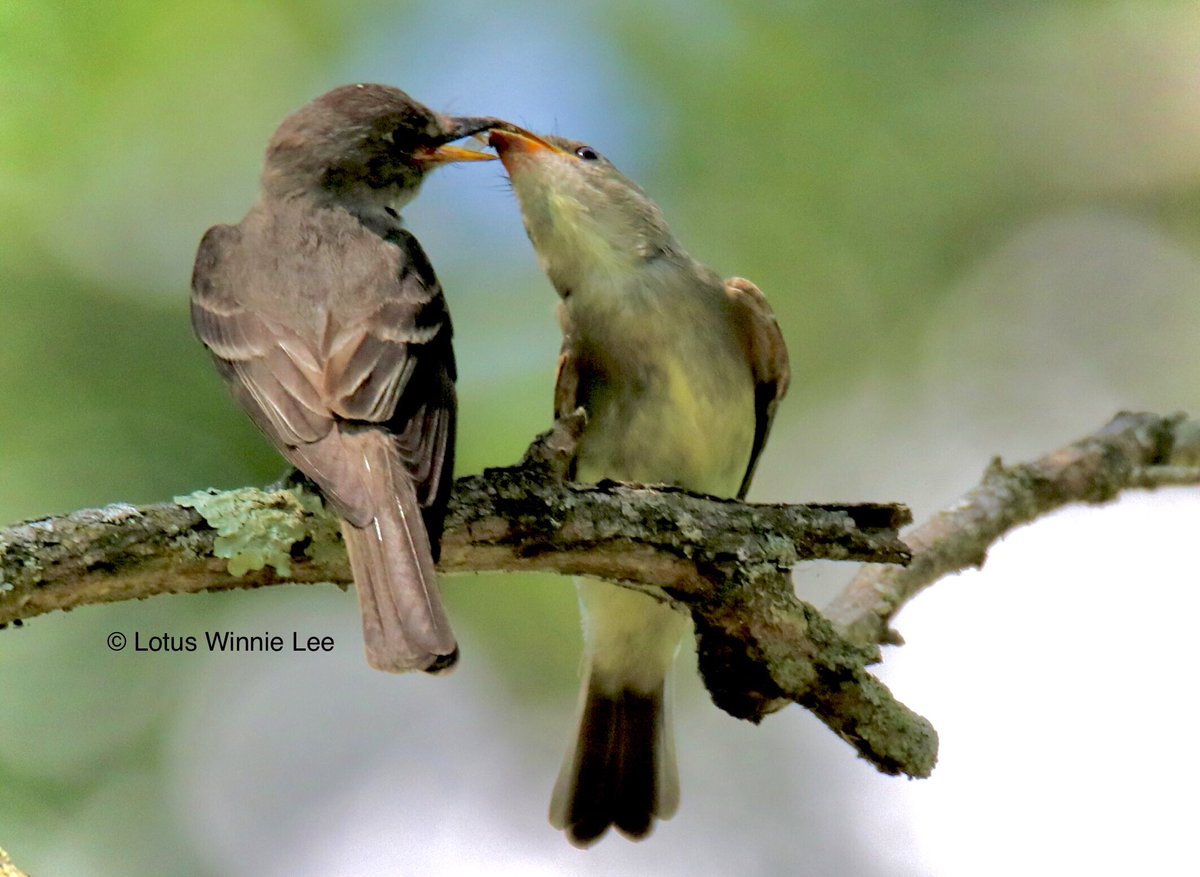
1060 680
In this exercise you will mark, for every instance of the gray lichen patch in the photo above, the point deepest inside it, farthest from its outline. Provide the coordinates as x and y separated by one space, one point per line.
257 528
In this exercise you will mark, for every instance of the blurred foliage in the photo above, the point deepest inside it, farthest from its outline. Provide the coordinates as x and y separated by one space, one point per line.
861 156
858 160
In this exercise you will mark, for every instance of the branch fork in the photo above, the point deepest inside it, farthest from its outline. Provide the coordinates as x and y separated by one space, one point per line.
726 562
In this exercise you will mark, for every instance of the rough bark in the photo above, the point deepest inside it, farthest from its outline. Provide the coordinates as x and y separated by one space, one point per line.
1132 451
724 561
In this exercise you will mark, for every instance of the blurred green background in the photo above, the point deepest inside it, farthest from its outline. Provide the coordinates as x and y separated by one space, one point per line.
979 226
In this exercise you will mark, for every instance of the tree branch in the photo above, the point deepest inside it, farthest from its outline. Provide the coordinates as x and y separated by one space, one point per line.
507 520
1132 451
724 561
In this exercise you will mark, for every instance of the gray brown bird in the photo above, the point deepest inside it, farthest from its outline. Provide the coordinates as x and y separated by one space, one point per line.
680 373
325 317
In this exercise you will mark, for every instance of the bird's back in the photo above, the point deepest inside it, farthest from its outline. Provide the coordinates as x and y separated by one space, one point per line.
323 264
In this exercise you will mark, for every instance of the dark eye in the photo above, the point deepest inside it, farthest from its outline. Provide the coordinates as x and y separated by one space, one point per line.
587 153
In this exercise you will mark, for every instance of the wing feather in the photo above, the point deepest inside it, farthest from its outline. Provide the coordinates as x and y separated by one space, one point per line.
390 365
766 351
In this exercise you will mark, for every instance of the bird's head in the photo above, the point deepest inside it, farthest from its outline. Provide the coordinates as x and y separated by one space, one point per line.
583 215
365 147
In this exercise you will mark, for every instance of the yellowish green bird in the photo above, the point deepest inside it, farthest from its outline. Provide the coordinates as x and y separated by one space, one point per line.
680 373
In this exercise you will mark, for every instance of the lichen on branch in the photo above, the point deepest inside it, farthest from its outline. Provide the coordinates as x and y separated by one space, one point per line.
726 562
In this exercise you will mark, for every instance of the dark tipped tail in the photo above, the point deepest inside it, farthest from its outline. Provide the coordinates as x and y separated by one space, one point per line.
404 623
622 771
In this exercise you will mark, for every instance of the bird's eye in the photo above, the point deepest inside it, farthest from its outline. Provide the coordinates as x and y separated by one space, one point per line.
587 153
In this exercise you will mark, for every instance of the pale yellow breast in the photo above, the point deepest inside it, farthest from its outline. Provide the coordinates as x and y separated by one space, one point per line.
689 421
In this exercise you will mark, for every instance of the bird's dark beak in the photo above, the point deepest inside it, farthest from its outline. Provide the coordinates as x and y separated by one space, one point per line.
464 126
457 127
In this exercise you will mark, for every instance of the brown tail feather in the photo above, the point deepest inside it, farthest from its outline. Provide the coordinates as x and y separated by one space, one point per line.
622 771
404 624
